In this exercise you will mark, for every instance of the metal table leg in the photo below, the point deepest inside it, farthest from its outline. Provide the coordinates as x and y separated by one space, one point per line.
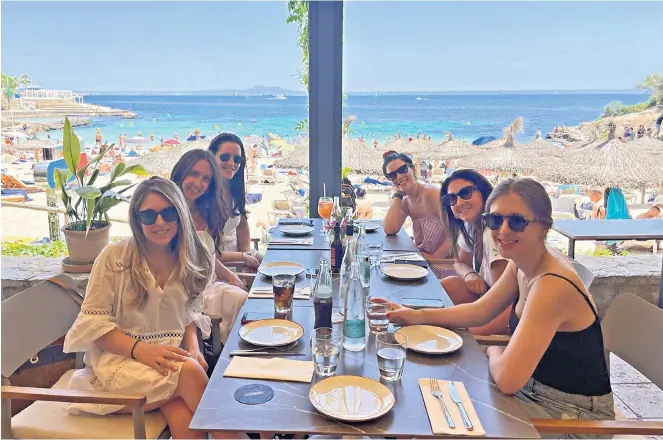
660 288
572 248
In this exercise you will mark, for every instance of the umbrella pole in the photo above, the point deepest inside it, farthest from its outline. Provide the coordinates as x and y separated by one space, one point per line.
53 221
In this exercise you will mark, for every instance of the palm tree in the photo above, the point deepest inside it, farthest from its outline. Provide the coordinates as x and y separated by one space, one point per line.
24 80
9 85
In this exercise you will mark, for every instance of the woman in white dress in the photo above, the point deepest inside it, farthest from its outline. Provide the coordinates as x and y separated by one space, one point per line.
143 302
236 243
197 175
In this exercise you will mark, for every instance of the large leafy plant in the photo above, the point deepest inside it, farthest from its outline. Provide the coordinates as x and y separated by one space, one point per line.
88 203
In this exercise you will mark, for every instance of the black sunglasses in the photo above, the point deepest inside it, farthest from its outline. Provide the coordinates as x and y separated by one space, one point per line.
516 222
401 170
465 193
225 157
149 216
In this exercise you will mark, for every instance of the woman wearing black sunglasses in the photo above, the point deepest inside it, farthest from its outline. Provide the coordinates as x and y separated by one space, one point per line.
236 239
554 362
420 202
478 262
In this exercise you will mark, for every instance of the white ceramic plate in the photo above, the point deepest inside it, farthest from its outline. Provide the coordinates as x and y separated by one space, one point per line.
281 268
296 229
430 339
351 398
406 272
271 332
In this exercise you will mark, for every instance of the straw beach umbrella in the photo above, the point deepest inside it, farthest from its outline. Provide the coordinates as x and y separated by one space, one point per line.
162 162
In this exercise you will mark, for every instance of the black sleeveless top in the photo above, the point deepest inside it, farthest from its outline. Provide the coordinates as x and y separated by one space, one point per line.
574 361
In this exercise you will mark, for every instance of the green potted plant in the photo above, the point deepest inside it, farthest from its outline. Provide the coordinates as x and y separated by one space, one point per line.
88 202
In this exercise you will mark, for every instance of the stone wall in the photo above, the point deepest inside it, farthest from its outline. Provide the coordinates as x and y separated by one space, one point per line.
636 274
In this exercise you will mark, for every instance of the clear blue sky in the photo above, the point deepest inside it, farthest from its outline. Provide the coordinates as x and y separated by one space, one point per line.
389 45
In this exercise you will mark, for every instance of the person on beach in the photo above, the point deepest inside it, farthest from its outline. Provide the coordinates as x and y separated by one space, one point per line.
364 206
420 202
659 121
554 363
236 238
139 319
478 261
197 174
653 212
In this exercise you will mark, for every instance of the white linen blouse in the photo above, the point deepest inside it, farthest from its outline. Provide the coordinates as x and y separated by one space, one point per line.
160 319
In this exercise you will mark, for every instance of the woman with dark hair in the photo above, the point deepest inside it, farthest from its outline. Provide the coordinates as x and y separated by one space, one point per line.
478 262
554 363
197 175
420 202
236 238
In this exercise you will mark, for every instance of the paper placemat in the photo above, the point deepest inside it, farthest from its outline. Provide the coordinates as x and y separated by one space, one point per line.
270 369
436 414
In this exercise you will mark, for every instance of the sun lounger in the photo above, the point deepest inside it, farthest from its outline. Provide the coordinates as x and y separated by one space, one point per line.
10 182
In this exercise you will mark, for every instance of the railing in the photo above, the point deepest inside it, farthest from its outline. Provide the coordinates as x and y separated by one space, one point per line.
51 210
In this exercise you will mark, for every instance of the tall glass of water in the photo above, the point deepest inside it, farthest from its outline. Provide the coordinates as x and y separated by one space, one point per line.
375 253
376 313
391 351
326 347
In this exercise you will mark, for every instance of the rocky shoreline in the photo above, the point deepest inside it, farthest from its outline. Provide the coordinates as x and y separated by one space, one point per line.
46 126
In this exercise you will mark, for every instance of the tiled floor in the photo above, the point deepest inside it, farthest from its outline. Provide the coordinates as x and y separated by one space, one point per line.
635 396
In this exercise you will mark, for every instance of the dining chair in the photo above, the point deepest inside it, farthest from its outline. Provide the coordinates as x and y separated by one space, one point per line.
629 318
31 320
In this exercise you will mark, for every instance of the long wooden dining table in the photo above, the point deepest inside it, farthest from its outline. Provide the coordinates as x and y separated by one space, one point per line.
290 410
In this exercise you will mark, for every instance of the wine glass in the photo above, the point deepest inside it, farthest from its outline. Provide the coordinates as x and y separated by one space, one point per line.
325 206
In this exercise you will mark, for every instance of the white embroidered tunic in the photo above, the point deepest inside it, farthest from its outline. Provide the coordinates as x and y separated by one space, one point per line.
108 304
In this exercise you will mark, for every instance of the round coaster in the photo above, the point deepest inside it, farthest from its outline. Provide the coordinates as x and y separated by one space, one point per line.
254 394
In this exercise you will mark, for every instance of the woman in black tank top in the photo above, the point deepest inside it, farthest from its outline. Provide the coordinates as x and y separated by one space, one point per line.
554 362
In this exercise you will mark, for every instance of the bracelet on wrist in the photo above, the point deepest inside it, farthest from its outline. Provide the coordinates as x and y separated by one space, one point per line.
469 273
133 348
397 195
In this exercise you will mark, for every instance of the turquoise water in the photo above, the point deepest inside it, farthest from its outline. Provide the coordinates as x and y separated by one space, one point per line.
469 116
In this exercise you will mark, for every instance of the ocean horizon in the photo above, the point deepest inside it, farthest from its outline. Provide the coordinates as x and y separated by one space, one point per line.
378 116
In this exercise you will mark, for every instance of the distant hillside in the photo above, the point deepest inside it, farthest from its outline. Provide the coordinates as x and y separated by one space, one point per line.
253 91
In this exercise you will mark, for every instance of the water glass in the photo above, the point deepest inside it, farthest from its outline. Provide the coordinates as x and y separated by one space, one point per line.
376 313
326 348
391 351
299 213
284 292
375 253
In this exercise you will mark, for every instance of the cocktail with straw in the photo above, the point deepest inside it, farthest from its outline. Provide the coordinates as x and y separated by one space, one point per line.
325 206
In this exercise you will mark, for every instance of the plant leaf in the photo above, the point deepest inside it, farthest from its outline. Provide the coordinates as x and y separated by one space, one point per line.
115 195
118 171
93 177
88 192
71 147
138 170
90 213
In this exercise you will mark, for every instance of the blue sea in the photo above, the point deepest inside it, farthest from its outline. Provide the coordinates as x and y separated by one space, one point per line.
467 116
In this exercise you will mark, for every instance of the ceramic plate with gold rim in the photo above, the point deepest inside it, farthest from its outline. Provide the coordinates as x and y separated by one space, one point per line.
271 332
281 268
430 339
351 398
296 229
405 272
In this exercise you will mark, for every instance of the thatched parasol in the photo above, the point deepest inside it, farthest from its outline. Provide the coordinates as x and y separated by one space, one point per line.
542 146
357 156
161 163
34 145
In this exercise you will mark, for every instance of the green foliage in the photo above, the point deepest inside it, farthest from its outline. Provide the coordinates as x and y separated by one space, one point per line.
22 248
298 13
302 126
616 108
345 172
93 203
602 251
653 83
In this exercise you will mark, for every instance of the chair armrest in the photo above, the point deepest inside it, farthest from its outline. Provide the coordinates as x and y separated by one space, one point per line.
233 263
72 396
500 340
610 427
442 261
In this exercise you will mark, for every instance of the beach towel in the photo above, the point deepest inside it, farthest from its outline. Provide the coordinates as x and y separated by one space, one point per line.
617 208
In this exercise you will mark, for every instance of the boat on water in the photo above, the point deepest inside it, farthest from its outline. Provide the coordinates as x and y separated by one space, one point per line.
278 97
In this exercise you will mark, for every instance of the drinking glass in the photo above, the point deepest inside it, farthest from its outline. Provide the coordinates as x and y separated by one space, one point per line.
284 291
299 213
376 313
375 253
326 347
325 207
391 351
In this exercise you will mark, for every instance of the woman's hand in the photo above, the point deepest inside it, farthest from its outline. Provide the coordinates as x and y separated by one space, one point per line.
162 358
250 261
401 315
235 280
197 355
475 283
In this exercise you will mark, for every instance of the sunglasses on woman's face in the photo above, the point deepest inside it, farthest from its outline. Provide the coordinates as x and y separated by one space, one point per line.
401 170
516 222
465 193
225 157
149 216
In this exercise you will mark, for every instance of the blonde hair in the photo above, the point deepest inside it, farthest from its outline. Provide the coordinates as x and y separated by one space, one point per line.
195 265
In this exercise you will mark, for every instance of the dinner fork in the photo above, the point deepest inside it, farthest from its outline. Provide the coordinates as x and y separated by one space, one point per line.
437 392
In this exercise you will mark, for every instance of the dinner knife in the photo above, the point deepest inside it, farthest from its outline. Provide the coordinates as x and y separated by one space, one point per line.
263 353
455 396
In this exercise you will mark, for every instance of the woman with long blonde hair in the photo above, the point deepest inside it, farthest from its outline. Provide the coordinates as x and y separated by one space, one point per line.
138 323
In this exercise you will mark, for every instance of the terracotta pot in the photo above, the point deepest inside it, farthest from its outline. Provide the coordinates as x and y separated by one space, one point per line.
85 247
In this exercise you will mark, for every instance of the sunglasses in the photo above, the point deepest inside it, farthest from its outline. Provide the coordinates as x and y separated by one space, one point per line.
516 222
401 170
149 216
225 157
465 193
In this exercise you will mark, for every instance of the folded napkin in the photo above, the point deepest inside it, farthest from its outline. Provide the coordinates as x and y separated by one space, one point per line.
268 292
436 413
303 241
270 368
